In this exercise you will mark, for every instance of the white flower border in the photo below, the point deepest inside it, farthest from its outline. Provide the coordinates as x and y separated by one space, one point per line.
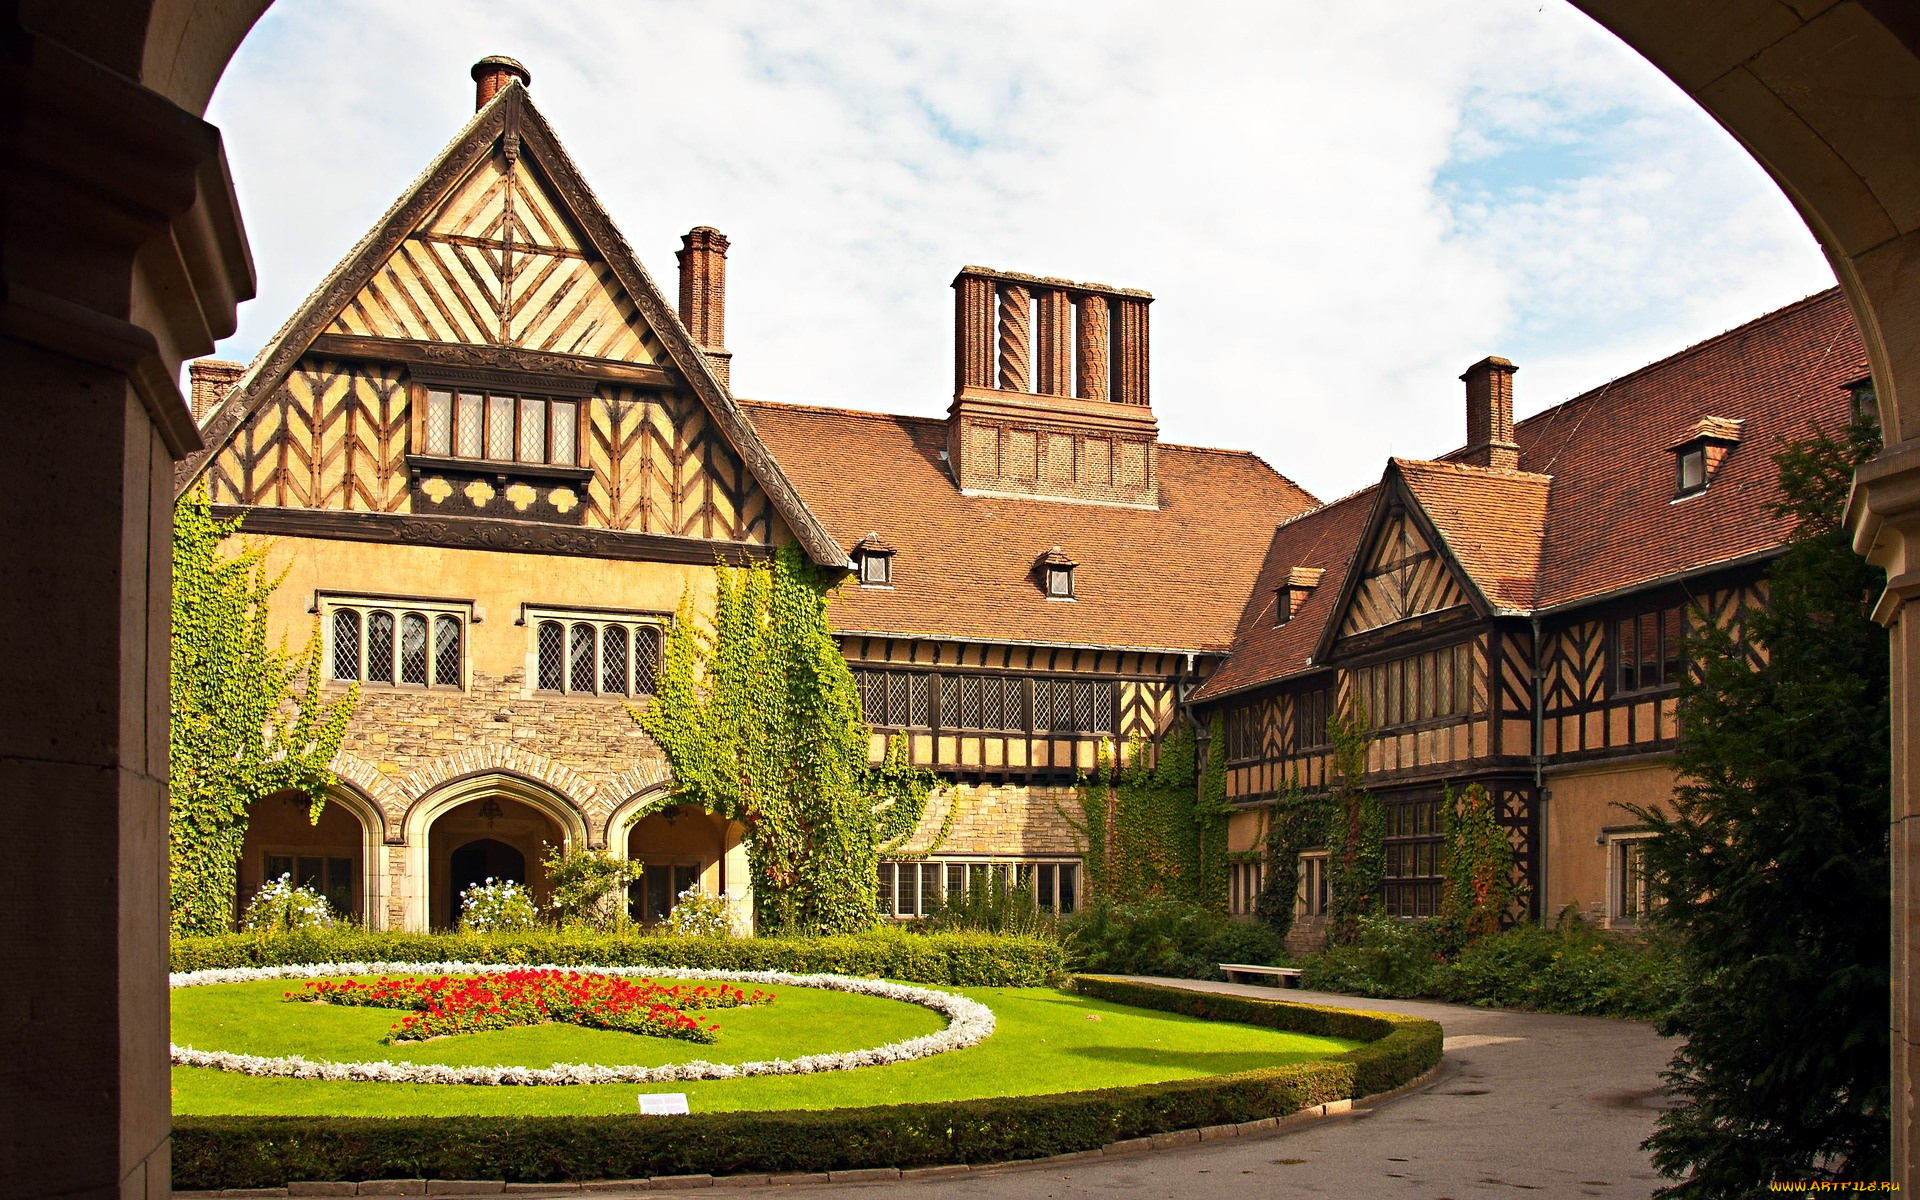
969 1023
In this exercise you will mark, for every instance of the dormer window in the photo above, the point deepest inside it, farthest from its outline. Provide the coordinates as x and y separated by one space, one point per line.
1693 469
1698 455
873 558
1056 574
1292 594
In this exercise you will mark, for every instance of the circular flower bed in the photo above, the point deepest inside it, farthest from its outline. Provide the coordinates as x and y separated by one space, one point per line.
969 1022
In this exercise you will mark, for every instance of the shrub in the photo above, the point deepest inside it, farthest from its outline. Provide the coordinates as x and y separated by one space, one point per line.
699 913
494 907
236 1152
1165 937
1572 968
588 887
992 907
949 959
280 905
1387 957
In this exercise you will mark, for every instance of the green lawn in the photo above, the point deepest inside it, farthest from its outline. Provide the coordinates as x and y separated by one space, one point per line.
1045 1041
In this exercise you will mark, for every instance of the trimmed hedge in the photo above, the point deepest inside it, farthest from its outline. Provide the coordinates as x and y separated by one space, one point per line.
1399 1049
949 959
239 1152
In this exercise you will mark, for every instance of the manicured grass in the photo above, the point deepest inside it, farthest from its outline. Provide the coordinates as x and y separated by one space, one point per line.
252 1018
1046 1041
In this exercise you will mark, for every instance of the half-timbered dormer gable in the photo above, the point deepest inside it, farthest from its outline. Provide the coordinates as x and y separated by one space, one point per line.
1443 540
492 351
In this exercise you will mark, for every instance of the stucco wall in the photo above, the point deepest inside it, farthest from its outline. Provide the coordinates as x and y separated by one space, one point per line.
1584 805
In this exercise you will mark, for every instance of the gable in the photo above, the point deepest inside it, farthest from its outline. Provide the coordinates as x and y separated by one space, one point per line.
499 263
1403 575
499 273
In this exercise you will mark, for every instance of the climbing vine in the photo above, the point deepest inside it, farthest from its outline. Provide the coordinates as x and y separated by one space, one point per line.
1300 820
247 719
1356 831
1155 826
1210 815
759 716
1477 888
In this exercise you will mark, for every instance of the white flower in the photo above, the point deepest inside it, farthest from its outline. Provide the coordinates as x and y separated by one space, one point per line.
968 1023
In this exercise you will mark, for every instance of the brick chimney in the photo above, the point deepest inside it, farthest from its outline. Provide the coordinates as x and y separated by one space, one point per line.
208 382
703 295
1490 415
492 74
1050 390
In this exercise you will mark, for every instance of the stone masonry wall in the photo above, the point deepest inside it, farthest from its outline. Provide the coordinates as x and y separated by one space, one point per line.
1000 820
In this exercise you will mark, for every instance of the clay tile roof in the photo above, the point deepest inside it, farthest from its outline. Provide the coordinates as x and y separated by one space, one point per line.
1605 517
1492 521
1175 578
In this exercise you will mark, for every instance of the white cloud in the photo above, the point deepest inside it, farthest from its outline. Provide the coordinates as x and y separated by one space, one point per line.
1337 207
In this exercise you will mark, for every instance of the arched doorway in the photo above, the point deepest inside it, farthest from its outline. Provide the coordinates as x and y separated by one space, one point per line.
333 855
483 860
494 836
679 847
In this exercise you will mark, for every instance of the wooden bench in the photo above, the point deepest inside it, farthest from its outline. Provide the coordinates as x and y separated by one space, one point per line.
1281 976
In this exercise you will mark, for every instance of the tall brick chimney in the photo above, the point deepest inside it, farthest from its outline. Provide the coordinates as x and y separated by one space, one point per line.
1050 390
1490 415
703 295
208 382
492 74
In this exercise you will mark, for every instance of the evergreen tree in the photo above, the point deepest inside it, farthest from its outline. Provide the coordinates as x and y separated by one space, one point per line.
1773 867
238 730
761 720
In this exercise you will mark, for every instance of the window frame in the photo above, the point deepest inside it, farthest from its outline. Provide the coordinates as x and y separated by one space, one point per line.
635 624
421 401
1671 669
1621 855
1057 581
328 604
944 871
876 568
1696 453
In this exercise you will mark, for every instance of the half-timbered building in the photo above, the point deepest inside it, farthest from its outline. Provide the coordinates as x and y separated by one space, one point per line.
1511 614
494 456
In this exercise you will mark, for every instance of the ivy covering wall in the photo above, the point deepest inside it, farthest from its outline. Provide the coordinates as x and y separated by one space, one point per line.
1155 825
248 720
758 714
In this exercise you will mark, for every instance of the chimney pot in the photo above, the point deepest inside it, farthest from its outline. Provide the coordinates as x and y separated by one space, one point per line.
1490 415
703 294
492 74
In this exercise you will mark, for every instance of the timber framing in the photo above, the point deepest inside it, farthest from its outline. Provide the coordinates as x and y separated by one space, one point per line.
488 533
509 118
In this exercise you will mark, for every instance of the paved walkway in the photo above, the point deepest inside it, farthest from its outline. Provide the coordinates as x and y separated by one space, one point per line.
1554 1106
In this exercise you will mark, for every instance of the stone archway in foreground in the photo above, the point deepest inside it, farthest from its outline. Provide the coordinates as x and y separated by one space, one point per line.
124 256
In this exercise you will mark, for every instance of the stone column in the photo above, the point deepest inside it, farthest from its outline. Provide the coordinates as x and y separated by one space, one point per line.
120 255
1092 346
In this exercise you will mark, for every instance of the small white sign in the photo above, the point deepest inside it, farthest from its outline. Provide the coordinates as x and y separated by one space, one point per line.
661 1104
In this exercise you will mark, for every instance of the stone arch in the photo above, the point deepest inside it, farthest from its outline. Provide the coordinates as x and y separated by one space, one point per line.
388 803
642 801
579 793
410 899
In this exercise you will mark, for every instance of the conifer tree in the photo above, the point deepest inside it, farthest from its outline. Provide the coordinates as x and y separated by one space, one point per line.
239 731
1773 867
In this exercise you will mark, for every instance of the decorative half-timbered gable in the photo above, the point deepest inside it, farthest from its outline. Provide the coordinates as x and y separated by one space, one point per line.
1513 614
498 459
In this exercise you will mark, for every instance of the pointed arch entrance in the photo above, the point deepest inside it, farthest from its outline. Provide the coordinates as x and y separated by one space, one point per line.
497 825
342 855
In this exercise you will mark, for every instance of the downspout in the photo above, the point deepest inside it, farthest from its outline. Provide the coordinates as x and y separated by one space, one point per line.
1539 765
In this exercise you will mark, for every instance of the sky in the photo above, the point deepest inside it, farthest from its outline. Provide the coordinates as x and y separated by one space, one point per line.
1337 208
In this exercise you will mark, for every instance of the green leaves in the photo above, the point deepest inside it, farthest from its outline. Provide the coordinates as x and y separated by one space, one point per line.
1773 866
760 718
248 720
